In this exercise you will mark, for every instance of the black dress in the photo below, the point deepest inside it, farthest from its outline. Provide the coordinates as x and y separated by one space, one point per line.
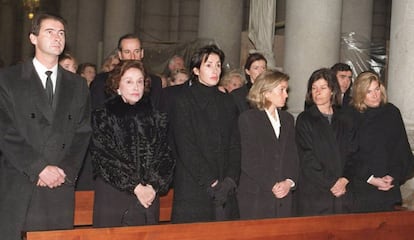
129 146
382 149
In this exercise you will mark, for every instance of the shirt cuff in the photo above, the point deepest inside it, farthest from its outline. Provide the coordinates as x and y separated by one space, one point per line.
292 183
369 179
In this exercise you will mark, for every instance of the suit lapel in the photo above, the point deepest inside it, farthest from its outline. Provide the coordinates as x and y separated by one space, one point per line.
63 95
36 87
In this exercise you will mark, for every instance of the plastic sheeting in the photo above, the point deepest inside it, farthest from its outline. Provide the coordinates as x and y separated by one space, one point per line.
361 55
158 54
262 28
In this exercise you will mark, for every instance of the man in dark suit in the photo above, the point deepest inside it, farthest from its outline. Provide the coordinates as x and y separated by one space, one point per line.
45 130
343 74
129 48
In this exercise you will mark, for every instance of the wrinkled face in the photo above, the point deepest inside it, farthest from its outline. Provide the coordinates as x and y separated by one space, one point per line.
51 39
131 86
69 64
277 97
235 82
89 74
179 79
131 50
373 96
210 70
256 68
321 93
344 80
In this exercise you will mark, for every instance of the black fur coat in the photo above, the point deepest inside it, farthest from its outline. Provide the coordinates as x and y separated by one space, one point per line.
129 146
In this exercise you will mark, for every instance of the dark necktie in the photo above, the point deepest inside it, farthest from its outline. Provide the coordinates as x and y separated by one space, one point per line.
49 87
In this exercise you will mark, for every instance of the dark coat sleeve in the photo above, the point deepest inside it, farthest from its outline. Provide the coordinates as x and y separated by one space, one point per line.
291 161
401 162
161 167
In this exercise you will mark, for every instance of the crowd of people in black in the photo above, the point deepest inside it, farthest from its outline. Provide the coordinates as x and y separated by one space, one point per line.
229 152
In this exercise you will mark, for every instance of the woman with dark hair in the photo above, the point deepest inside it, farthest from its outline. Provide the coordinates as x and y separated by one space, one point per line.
383 160
324 137
207 144
269 160
130 154
256 63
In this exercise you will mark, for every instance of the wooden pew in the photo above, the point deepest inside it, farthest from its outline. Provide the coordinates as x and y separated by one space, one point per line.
386 225
84 207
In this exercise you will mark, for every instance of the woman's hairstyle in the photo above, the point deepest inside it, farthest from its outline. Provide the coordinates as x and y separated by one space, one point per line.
226 79
83 66
360 90
107 64
201 56
329 76
253 57
265 82
38 19
66 55
112 83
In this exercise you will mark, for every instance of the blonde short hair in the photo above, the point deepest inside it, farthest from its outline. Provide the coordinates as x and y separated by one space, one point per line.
226 79
265 82
360 89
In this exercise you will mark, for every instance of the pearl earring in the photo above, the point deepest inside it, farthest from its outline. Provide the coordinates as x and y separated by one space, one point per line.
119 92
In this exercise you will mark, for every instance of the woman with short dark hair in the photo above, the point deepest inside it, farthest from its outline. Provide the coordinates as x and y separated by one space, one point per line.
206 140
324 137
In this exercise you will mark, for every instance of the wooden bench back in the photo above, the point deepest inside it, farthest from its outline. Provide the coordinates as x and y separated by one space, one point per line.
387 225
84 207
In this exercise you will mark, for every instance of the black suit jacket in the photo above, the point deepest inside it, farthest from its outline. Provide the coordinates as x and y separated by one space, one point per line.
266 160
34 135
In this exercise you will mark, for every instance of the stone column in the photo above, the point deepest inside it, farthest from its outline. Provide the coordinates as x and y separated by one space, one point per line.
312 41
119 19
188 19
89 34
401 72
357 18
69 11
222 21
401 58
155 20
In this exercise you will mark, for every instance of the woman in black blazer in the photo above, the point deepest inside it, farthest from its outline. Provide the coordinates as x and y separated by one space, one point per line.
269 157
323 137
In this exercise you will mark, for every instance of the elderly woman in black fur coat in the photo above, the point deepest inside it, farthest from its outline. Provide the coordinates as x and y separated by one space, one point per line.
130 154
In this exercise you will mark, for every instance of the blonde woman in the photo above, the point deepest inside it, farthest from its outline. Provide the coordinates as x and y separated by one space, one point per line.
384 159
269 162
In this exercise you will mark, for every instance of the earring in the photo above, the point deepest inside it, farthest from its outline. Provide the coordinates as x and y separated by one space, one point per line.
118 91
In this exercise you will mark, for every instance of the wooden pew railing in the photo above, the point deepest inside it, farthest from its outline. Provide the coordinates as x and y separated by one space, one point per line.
84 207
386 225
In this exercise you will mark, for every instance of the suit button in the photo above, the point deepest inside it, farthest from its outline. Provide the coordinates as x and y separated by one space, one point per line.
63 146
